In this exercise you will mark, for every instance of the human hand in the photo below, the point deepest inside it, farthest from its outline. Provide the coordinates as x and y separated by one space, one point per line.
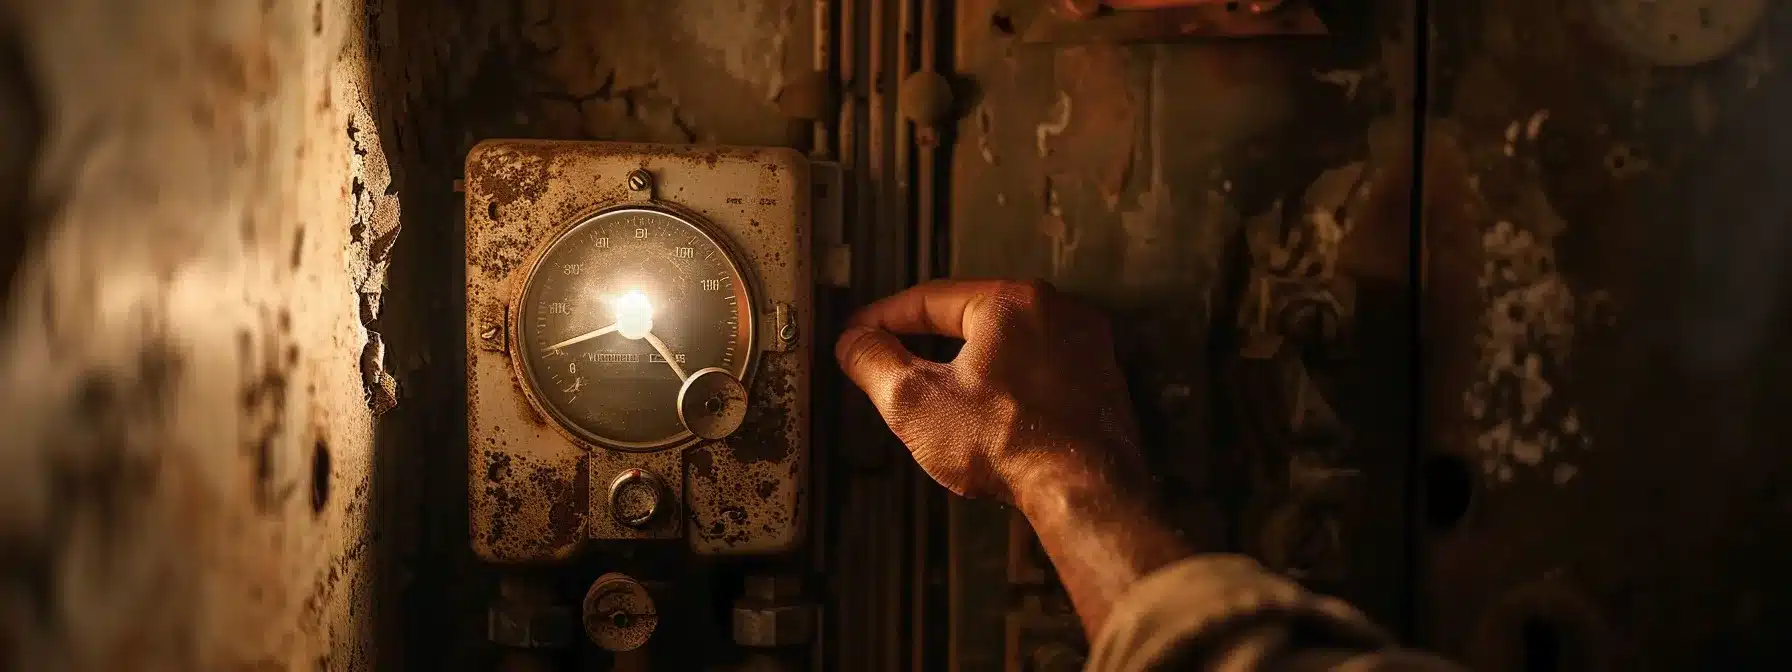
1035 395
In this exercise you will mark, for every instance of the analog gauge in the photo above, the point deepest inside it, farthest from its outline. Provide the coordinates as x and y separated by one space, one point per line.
1677 32
618 313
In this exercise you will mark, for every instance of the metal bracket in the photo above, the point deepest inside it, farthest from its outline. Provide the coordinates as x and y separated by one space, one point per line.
833 256
779 327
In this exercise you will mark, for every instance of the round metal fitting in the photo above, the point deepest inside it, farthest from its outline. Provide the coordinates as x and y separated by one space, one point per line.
619 613
640 180
636 497
713 403
926 98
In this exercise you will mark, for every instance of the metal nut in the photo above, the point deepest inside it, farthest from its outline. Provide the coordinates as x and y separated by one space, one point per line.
619 613
926 98
766 626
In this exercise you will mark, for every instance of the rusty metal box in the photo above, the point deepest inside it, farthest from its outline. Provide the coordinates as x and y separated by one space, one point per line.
536 492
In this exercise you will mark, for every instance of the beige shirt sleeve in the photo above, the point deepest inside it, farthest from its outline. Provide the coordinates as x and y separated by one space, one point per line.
1226 612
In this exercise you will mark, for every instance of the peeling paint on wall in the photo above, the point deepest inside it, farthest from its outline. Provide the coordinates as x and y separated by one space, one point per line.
1527 336
186 473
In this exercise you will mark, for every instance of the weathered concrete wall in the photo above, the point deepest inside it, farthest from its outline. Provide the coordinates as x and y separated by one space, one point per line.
185 471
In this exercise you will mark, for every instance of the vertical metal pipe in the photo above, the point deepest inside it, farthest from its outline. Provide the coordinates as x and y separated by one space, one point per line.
823 63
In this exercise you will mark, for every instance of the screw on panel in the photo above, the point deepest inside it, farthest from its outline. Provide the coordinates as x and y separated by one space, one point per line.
640 180
490 333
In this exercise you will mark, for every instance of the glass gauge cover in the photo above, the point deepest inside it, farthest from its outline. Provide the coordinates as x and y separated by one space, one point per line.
617 312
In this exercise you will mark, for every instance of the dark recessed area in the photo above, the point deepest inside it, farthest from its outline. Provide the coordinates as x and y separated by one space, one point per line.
1448 488
320 477
1542 646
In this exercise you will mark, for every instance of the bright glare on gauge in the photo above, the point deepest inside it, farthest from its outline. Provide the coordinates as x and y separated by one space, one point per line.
618 312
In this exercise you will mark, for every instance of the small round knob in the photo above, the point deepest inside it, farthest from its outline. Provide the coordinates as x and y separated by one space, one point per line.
636 497
619 613
926 98
712 403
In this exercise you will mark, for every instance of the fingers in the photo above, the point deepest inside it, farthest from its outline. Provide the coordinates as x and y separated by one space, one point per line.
875 361
940 307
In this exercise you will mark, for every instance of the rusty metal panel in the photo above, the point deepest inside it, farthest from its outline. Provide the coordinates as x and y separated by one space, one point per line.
1134 175
1605 228
532 498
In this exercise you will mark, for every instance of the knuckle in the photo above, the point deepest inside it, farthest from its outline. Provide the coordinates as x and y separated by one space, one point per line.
1015 300
1027 293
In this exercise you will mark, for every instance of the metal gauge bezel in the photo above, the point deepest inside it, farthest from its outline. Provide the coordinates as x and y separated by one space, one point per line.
525 377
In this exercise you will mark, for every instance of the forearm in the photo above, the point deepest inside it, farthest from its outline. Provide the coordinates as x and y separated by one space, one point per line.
1100 530
1149 600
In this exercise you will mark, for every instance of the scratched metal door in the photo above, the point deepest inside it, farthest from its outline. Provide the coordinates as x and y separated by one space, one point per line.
1242 206
1588 475
1606 229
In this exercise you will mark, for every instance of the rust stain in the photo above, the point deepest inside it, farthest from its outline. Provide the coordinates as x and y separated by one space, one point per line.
1097 142
497 467
701 462
767 435
565 501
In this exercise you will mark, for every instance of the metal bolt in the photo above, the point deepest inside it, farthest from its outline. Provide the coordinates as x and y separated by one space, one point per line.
640 180
490 333
788 332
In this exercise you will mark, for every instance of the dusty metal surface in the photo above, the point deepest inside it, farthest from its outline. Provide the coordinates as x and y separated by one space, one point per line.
187 472
1134 176
1606 343
541 491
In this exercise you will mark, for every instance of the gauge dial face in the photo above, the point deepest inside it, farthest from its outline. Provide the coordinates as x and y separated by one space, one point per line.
1678 32
617 312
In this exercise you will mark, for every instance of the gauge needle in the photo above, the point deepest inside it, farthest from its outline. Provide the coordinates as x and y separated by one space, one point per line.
665 354
581 338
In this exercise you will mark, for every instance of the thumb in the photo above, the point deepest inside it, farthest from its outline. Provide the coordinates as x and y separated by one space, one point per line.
876 361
